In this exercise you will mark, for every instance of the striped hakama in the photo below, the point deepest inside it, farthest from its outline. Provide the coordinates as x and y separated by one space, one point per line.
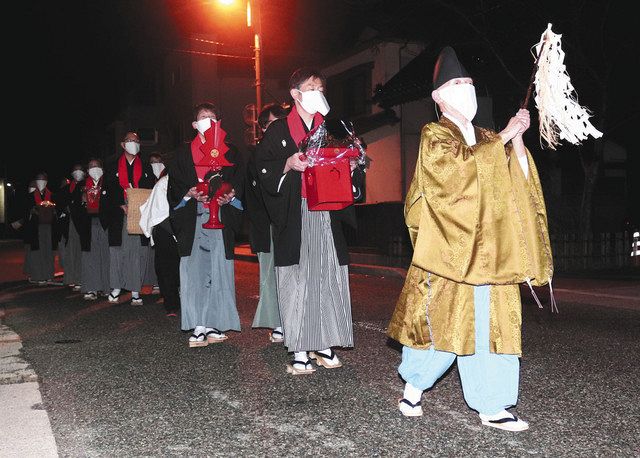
128 262
314 298
95 263
72 257
207 282
39 264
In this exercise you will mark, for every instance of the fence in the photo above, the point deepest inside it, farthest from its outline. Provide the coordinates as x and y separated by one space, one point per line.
576 252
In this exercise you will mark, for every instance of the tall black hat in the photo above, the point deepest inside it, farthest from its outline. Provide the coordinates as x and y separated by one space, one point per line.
448 67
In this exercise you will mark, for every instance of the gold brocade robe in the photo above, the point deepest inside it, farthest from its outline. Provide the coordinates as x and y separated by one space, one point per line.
473 219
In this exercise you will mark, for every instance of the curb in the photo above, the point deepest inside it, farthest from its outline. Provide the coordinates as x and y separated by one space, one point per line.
13 369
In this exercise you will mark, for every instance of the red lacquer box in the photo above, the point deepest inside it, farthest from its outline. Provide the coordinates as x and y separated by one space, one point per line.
328 182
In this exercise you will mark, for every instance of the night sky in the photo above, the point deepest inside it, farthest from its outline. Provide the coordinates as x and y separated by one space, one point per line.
75 61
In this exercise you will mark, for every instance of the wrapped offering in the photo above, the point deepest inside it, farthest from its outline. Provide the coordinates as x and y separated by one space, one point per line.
329 150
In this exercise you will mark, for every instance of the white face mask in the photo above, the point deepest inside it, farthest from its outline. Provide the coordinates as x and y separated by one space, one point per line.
78 175
41 184
461 97
203 125
132 148
157 167
95 173
314 102
30 189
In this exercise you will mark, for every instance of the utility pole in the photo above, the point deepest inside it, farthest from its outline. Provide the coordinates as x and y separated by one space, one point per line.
257 49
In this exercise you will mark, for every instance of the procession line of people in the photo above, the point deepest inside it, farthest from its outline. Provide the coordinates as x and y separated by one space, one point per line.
474 211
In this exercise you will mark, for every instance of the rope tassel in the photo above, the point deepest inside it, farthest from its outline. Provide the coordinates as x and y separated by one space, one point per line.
554 304
533 293
561 116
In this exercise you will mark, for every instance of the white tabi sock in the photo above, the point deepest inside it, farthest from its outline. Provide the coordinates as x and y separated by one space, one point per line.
215 331
497 416
411 393
115 292
301 356
135 295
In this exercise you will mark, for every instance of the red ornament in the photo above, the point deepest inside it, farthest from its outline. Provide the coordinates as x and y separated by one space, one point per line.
214 150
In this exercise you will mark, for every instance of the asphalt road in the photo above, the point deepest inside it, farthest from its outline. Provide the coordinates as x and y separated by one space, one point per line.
119 380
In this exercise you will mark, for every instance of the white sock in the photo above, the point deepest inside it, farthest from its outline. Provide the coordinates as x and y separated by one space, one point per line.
411 393
301 356
497 416
135 295
214 330
278 329
199 330
115 291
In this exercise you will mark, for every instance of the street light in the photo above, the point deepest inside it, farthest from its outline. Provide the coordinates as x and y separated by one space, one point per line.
253 10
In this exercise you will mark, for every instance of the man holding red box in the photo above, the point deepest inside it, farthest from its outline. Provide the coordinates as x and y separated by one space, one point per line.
310 250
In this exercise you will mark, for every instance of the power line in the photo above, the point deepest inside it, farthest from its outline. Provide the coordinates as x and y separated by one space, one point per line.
213 54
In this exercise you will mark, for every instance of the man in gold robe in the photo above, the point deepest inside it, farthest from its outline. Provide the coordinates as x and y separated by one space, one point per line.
477 221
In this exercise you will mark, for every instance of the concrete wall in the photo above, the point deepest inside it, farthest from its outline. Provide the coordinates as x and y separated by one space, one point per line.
392 149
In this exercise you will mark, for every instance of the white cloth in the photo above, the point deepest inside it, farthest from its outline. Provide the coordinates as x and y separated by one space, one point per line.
467 130
156 208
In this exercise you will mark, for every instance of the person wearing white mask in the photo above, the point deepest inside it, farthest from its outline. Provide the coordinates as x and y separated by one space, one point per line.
69 244
310 250
93 220
477 220
128 252
267 313
157 165
40 233
150 276
19 224
207 281
155 224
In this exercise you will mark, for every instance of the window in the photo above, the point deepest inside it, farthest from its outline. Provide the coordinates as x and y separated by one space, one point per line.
349 93
148 136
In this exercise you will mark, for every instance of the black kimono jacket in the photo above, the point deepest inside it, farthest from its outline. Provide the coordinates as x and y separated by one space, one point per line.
32 223
256 211
283 205
82 218
64 205
113 197
182 177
